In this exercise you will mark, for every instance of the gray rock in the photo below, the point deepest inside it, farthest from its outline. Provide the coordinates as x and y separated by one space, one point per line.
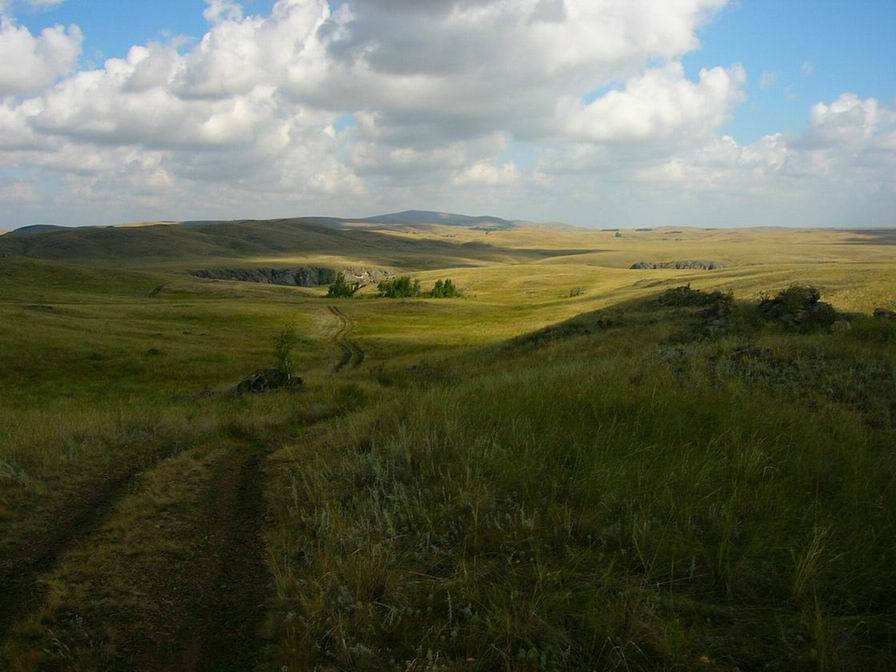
841 327
678 265
301 276
268 380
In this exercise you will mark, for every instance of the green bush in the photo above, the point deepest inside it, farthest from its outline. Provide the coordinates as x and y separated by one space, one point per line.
399 288
342 289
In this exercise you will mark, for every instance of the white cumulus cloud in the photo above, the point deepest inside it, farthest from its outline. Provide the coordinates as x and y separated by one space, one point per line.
30 62
660 103
487 174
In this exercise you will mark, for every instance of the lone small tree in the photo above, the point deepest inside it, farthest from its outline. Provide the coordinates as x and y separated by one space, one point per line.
284 343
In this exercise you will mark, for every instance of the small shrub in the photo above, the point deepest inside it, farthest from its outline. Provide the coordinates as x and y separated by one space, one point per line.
577 291
341 288
284 343
399 288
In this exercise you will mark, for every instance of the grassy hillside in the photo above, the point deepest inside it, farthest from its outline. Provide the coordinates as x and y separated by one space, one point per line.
366 241
556 471
618 492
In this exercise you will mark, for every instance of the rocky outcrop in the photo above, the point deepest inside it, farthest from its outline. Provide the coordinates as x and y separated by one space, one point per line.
798 307
301 276
679 265
884 314
268 380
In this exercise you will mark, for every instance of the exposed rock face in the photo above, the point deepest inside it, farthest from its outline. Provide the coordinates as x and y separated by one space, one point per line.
268 380
302 276
680 265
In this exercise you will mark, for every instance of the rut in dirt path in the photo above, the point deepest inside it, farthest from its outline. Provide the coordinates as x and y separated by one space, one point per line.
20 572
352 354
217 626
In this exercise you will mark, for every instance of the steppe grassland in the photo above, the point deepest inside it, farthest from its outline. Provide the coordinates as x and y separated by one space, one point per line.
76 335
103 375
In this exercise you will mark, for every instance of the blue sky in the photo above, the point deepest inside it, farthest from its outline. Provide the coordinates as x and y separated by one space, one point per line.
851 46
797 105
112 28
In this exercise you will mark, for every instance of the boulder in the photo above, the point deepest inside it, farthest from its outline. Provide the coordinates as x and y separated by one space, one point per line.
884 314
841 327
268 380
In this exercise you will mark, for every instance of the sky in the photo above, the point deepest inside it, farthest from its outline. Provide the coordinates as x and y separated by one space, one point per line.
604 113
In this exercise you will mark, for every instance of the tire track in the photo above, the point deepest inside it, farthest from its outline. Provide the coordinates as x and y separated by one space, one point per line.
229 582
20 573
200 571
351 353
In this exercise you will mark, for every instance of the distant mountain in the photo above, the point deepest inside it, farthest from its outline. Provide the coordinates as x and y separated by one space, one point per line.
35 229
446 218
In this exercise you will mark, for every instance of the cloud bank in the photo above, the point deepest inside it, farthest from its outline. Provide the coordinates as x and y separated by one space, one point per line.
573 109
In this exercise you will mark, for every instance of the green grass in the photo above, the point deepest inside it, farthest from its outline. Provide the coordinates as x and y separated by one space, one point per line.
600 502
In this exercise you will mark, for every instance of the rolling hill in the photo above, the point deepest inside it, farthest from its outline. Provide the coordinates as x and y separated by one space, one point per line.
34 230
386 240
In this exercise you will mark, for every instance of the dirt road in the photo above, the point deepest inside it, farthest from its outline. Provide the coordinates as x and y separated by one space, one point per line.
351 353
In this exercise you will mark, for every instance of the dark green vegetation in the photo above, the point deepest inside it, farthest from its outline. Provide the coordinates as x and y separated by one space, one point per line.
444 289
399 288
403 287
342 288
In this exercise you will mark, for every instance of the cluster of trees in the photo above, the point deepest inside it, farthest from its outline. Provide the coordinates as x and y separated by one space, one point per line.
342 288
405 288
402 287
399 288
444 289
